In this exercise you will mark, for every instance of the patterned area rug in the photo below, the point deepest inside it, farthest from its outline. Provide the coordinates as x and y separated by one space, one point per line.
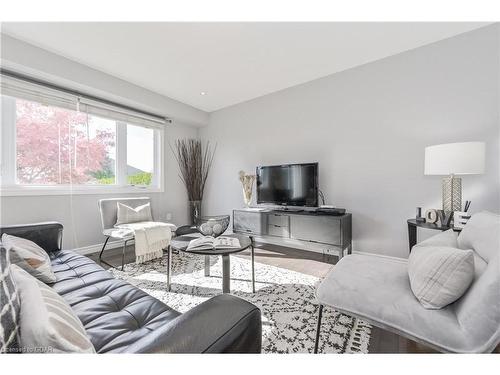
286 299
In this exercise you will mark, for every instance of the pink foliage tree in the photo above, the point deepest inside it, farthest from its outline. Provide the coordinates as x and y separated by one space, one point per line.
54 146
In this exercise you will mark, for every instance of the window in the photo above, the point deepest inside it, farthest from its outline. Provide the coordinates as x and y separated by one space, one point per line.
140 151
48 148
59 146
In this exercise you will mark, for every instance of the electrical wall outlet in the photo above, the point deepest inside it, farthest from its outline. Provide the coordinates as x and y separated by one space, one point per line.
169 216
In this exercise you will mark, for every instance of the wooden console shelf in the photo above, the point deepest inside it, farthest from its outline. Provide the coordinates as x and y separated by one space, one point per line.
307 230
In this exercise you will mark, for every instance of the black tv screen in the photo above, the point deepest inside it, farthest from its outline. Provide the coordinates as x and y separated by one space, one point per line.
290 184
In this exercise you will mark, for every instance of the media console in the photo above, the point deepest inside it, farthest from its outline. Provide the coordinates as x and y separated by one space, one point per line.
308 230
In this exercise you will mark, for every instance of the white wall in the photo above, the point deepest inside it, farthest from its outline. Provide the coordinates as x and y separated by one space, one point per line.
367 127
79 213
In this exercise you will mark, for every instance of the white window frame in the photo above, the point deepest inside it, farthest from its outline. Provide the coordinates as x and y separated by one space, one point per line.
9 187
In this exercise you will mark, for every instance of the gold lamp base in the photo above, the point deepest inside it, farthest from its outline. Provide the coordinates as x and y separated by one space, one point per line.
452 194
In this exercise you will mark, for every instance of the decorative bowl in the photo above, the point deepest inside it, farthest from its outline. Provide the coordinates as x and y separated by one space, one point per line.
213 225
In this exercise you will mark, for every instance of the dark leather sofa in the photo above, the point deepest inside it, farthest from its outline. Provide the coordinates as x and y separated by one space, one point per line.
120 318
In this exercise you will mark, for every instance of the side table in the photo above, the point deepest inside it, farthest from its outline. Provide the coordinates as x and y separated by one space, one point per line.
413 224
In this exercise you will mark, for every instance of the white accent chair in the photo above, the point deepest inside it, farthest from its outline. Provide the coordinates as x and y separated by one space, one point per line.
108 211
377 290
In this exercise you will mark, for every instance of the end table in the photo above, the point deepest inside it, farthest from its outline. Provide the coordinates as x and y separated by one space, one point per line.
413 224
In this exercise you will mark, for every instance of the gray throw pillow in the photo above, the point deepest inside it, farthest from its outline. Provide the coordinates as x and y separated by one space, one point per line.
440 275
30 257
447 238
126 214
48 324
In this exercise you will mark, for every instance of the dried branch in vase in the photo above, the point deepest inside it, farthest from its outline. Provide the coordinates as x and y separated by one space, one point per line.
247 183
194 159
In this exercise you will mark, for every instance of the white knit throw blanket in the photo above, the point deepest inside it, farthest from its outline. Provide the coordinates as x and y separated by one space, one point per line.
150 239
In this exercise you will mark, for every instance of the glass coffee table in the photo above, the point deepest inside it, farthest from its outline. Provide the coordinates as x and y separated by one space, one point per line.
181 243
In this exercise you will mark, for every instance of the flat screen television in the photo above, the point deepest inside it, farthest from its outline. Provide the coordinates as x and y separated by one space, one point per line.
288 185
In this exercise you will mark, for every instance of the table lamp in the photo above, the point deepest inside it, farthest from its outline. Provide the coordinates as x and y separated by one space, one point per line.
453 159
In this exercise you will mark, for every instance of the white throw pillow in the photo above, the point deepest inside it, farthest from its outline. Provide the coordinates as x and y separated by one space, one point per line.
126 214
30 257
440 275
48 325
447 238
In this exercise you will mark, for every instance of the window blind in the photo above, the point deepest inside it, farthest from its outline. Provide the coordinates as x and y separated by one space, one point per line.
44 95
48 94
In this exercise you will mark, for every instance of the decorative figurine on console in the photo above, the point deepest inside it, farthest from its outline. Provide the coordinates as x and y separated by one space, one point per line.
445 217
419 217
431 216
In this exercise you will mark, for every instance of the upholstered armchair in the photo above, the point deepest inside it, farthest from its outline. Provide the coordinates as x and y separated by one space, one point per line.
108 212
377 290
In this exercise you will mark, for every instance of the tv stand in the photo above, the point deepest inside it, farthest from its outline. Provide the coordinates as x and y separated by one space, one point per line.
308 230
288 209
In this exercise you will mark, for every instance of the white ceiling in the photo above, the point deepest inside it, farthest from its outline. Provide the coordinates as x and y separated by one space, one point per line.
231 62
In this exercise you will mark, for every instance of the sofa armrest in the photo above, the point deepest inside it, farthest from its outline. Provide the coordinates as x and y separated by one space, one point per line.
47 235
223 324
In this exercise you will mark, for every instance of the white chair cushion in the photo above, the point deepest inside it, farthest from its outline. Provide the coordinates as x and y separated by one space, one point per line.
482 234
439 275
30 257
126 214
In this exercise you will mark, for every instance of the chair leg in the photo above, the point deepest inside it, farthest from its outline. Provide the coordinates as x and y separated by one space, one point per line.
318 328
103 246
123 254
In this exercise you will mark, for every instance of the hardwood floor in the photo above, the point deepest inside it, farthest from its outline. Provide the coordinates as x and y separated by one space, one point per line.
305 262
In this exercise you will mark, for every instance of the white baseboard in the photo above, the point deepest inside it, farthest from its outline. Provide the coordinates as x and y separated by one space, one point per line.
86 250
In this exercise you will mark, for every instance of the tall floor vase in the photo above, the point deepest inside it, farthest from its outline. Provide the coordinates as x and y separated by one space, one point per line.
195 211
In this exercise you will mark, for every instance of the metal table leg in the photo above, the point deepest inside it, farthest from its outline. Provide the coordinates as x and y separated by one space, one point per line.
123 253
226 277
169 266
253 266
207 265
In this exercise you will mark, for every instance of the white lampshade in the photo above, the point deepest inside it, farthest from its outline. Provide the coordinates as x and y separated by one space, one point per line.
455 158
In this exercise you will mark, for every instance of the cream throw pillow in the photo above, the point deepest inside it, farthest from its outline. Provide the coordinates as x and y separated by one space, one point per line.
48 325
30 257
126 214
447 238
440 275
